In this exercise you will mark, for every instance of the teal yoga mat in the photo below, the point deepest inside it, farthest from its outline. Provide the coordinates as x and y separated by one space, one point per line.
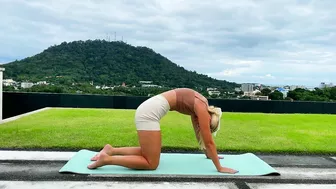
247 164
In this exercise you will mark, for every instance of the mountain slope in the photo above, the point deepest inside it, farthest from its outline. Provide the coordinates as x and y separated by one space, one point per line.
106 63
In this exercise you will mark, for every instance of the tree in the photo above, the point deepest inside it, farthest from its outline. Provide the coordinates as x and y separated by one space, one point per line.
245 97
333 93
213 96
288 98
258 93
238 93
109 63
276 95
8 88
297 94
266 91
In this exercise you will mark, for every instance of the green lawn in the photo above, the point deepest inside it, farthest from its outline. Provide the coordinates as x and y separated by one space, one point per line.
244 132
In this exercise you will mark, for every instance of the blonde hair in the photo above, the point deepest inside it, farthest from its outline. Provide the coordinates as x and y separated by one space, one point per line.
216 114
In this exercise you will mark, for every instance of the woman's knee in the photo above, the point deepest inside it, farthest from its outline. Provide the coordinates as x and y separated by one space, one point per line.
153 165
150 143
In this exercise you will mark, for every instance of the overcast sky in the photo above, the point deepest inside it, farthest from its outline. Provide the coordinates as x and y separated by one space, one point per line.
264 41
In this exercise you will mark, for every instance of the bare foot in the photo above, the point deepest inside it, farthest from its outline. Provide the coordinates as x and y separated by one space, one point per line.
101 158
107 149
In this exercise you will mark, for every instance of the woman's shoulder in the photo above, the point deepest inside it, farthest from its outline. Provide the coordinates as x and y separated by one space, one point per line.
201 98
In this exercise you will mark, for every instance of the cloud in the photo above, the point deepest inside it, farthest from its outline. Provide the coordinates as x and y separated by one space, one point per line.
237 68
242 41
267 76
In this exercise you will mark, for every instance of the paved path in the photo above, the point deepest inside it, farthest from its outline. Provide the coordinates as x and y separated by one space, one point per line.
32 169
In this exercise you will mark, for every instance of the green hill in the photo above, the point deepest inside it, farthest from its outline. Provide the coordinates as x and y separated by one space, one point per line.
106 63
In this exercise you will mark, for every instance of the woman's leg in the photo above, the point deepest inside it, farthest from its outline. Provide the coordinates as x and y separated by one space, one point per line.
109 150
150 148
126 151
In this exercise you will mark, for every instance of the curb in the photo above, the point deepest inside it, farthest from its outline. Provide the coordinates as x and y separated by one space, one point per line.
23 115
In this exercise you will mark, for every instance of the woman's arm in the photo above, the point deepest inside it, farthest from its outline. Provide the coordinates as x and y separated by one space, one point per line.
203 118
197 131
195 126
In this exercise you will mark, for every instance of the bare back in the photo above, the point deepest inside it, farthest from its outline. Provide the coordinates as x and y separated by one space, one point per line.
183 100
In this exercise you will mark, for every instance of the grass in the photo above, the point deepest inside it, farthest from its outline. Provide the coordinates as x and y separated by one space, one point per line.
242 132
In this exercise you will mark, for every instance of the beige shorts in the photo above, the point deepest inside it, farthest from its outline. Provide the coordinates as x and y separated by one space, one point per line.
150 112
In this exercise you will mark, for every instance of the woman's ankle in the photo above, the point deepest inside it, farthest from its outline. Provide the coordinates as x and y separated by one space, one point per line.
109 150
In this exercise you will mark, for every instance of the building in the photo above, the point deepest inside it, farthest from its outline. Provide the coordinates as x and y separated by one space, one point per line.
8 82
293 87
26 85
211 89
150 85
252 93
283 91
214 93
330 85
145 82
259 97
237 89
106 87
247 87
42 83
249 93
325 85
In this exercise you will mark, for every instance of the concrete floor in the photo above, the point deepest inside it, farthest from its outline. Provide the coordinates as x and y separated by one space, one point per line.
121 185
156 185
34 169
292 186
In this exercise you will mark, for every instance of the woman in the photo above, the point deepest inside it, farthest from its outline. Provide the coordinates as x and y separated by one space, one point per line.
205 120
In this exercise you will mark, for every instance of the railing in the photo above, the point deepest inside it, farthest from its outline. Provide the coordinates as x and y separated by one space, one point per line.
19 103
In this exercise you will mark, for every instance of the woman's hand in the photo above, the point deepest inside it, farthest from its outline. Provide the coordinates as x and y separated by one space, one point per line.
227 170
